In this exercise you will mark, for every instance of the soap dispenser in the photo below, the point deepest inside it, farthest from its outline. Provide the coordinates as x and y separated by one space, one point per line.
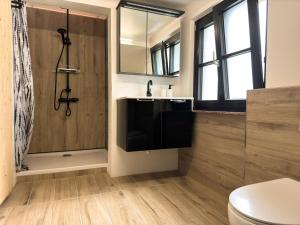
170 91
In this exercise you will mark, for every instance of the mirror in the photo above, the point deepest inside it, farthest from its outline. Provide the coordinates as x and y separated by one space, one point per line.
162 39
149 42
133 41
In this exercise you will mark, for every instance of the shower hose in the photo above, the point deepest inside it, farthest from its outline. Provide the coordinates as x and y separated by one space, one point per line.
58 103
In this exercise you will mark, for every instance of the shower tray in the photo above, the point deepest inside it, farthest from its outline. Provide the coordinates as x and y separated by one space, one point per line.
43 163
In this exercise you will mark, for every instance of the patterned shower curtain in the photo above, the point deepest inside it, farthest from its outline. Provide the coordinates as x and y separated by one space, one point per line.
23 87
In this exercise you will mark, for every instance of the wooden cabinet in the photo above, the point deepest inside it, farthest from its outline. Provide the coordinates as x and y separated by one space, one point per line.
149 124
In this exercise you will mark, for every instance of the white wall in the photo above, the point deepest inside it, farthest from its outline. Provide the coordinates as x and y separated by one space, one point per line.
193 12
283 46
121 162
282 70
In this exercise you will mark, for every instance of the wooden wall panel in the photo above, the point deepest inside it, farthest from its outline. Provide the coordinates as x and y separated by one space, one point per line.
218 150
273 134
270 150
6 101
86 128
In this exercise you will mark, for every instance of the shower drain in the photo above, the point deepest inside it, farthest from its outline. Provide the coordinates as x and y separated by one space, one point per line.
66 155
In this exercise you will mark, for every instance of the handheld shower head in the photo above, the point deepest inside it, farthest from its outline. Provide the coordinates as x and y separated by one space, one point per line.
62 32
64 36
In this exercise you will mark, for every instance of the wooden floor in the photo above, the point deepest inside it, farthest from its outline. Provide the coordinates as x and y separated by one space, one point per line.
92 197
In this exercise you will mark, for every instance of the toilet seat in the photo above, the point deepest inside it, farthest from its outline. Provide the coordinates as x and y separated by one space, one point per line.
237 218
273 202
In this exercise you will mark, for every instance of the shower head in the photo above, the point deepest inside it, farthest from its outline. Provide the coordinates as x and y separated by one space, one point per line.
64 39
62 32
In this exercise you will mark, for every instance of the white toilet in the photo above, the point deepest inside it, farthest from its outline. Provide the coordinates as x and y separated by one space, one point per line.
274 202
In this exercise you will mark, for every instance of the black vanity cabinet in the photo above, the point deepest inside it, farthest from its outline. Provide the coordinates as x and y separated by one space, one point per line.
177 124
149 124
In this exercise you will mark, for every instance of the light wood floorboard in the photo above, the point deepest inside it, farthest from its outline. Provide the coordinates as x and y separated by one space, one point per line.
66 212
42 191
94 198
93 211
65 188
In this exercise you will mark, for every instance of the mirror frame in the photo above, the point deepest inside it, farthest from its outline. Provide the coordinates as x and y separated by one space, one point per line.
147 8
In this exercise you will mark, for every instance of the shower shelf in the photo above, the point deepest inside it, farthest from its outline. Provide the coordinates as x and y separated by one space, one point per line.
68 70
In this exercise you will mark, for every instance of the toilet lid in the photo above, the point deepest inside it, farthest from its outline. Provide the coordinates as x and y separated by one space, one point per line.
272 202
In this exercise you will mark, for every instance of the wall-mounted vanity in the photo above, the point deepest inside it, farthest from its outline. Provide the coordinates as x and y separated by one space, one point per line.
148 40
154 123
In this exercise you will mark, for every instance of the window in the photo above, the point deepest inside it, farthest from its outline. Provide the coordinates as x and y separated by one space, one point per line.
166 56
173 54
228 55
157 60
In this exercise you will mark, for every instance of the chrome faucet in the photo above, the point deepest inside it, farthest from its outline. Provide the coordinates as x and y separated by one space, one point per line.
148 93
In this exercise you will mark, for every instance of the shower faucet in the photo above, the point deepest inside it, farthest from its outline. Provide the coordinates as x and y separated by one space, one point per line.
148 93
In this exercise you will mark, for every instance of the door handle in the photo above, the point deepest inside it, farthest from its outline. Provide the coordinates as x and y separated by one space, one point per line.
145 100
178 100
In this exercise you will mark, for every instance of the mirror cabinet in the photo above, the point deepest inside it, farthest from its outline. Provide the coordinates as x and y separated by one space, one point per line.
148 40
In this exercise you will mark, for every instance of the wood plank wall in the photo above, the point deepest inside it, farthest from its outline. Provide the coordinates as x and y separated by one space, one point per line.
6 101
86 128
235 150
273 134
218 151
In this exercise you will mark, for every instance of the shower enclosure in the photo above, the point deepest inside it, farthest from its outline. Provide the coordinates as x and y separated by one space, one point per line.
68 53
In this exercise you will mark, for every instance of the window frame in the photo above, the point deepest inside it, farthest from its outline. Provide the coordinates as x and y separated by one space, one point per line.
153 50
216 17
169 43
